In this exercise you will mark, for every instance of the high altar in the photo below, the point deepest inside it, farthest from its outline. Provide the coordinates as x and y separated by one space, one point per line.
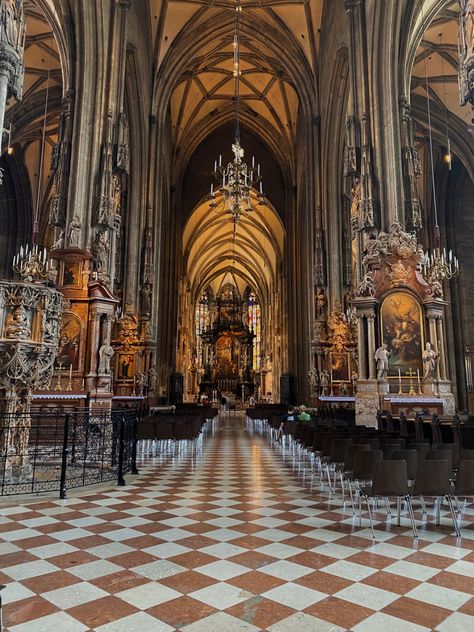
227 347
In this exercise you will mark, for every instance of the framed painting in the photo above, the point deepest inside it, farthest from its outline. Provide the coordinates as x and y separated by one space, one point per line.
340 367
69 342
72 273
401 324
125 367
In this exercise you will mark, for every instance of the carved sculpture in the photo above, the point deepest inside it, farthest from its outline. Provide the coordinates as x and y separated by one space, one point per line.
313 379
430 362
366 286
74 232
106 353
324 381
341 333
381 357
396 242
100 249
25 363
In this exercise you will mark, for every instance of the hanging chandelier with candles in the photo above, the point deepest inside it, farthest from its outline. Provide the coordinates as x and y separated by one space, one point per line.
236 180
437 265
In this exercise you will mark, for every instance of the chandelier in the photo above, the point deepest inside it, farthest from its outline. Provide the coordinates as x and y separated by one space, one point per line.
31 263
236 180
439 265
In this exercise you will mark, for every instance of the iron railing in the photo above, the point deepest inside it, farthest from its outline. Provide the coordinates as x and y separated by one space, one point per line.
48 452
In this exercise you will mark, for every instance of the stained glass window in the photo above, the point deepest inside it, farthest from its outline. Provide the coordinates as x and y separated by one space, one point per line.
255 326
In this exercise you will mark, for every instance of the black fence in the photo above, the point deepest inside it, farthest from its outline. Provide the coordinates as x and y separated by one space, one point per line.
48 452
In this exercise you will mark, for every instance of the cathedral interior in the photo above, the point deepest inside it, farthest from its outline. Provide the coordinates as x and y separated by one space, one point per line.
262 202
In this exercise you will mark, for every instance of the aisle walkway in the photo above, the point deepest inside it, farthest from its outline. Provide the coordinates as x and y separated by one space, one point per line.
227 541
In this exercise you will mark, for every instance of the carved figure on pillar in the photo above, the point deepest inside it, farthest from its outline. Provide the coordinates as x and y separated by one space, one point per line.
145 300
74 232
11 18
100 249
106 353
324 381
466 52
381 357
430 362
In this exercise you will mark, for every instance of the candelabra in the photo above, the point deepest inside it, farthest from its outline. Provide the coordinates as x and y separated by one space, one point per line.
31 263
237 180
440 265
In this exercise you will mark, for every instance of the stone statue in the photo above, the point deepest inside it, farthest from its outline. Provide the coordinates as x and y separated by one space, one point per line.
381 356
354 378
320 302
145 300
10 22
140 380
151 380
366 286
468 19
100 249
105 356
313 379
430 362
74 232
59 243
324 381
17 324
343 389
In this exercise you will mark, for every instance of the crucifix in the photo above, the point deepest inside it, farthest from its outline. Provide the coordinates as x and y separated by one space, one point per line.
411 375
58 383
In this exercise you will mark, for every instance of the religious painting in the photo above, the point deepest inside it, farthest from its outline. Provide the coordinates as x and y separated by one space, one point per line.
69 342
72 273
340 367
125 367
227 360
401 323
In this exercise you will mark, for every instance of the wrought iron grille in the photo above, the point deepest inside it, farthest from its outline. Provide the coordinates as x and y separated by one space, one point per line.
59 451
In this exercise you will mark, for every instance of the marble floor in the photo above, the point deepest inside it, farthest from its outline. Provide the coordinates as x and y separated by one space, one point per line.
227 538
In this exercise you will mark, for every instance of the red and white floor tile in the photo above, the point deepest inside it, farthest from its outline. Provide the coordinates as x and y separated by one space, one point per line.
227 539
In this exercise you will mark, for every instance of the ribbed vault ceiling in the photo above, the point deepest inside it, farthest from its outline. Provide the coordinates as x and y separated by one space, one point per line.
438 57
204 92
211 251
42 91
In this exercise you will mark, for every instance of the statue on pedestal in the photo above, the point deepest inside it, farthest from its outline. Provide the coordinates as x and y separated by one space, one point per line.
105 356
430 363
324 381
381 356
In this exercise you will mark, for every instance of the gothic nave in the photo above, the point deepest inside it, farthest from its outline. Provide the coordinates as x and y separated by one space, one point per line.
211 212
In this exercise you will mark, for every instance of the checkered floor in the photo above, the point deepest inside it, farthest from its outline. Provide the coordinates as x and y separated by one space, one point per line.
227 539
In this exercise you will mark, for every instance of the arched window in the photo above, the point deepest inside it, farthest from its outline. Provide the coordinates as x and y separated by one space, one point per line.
255 326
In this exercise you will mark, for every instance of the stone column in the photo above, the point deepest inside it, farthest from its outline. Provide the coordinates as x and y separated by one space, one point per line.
371 344
361 347
440 347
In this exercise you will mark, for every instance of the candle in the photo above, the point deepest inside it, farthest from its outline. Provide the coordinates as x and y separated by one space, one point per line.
399 376
70 371
418 374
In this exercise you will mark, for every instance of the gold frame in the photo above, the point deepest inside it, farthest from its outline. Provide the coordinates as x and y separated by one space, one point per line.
402 310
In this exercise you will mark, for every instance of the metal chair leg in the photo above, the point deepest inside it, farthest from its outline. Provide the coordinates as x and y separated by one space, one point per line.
412 516
370 517
453 515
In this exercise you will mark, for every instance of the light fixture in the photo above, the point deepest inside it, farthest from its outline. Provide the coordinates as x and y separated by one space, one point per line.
440 265
236 180
437 265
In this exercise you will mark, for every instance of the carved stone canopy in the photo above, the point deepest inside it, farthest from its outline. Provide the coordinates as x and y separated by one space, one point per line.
340 332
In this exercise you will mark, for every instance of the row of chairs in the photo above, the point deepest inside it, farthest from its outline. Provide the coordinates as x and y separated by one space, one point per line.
354 456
